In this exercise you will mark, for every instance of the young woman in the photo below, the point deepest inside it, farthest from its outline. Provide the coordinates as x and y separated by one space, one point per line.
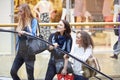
27 24
82 49
62 39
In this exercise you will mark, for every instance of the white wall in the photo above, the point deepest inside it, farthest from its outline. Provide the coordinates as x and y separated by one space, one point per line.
6 39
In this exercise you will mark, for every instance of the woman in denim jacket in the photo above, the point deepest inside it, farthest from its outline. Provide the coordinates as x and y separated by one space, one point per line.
27 25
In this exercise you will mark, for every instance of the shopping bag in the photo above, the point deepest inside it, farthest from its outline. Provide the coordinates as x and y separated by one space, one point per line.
65 77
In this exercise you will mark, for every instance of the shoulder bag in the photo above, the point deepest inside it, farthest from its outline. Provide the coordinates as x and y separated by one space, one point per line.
35 45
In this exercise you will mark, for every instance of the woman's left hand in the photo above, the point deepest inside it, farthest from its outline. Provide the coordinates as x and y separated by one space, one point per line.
64 71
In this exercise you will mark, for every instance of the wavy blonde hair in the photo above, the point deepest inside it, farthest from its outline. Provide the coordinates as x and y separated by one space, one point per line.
25 18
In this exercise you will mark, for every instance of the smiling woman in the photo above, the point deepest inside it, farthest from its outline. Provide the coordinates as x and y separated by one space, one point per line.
60 39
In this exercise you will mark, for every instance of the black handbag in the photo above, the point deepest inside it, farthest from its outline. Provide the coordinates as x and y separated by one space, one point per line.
35 45
59 64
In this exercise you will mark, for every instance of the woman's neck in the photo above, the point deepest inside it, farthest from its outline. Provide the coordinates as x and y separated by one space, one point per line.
61 33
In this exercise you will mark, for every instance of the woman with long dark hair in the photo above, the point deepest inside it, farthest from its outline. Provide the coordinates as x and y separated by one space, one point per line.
82 49
62 39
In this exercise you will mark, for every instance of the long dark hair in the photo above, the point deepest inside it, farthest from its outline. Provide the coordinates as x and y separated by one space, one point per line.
67 32
86 39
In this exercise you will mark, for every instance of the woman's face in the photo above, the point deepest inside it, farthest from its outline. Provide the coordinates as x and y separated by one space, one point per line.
78 38
60 27
20 11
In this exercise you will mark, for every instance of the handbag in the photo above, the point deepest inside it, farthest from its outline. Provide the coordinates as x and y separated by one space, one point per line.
65 77
59 64
35 45
93 62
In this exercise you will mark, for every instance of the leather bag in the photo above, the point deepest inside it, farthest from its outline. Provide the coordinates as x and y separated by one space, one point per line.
36 45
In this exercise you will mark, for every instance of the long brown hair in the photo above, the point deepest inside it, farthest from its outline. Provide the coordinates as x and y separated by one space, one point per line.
67 32
26 17
86 39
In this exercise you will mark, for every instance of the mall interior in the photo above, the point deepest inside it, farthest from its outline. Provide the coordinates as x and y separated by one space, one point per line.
102 35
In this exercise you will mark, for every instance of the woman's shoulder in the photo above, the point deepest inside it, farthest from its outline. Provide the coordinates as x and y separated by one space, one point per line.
34 20
69 38
52 35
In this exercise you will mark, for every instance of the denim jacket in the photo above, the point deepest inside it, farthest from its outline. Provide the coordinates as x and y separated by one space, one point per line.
34 25
56 55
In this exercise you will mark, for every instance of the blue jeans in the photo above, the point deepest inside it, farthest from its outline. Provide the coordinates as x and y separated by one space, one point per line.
79 77
18 62
51 71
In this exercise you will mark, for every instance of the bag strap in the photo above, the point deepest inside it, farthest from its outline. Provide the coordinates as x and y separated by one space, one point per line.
38 27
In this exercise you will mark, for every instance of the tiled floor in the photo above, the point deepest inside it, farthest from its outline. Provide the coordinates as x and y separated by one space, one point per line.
108 66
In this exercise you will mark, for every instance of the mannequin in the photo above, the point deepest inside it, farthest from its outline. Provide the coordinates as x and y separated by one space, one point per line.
79 10
43 10
69 14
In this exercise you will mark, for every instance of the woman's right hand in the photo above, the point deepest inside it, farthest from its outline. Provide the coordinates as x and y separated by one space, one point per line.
52 47
21 33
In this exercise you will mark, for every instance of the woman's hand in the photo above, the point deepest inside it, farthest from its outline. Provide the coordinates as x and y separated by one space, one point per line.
65 56
52 47
21 33
55 45
64 71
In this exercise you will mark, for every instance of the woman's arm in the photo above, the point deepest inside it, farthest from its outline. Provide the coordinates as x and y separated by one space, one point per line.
64 70
34 25
66 57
